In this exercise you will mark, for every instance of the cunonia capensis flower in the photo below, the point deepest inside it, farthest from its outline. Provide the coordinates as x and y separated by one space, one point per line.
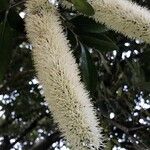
58 72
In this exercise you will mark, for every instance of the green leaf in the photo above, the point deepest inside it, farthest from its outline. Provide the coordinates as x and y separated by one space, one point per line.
83 6
88 70
72 39
7 35
86 24
102 43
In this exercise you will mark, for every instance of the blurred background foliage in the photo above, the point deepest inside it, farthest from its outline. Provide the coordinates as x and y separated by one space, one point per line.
115 70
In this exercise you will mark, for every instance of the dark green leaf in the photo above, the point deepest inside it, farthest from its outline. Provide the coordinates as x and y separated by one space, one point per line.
85 24
72 39
88 70
83 6
102 43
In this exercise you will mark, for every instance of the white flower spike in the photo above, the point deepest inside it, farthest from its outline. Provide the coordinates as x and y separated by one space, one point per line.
58 72
122 16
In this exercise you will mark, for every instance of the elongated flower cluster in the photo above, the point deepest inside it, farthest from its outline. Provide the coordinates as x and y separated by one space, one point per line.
58 72
122 16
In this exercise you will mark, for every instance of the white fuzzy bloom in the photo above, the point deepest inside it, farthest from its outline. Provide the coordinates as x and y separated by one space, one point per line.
122 16
58 72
